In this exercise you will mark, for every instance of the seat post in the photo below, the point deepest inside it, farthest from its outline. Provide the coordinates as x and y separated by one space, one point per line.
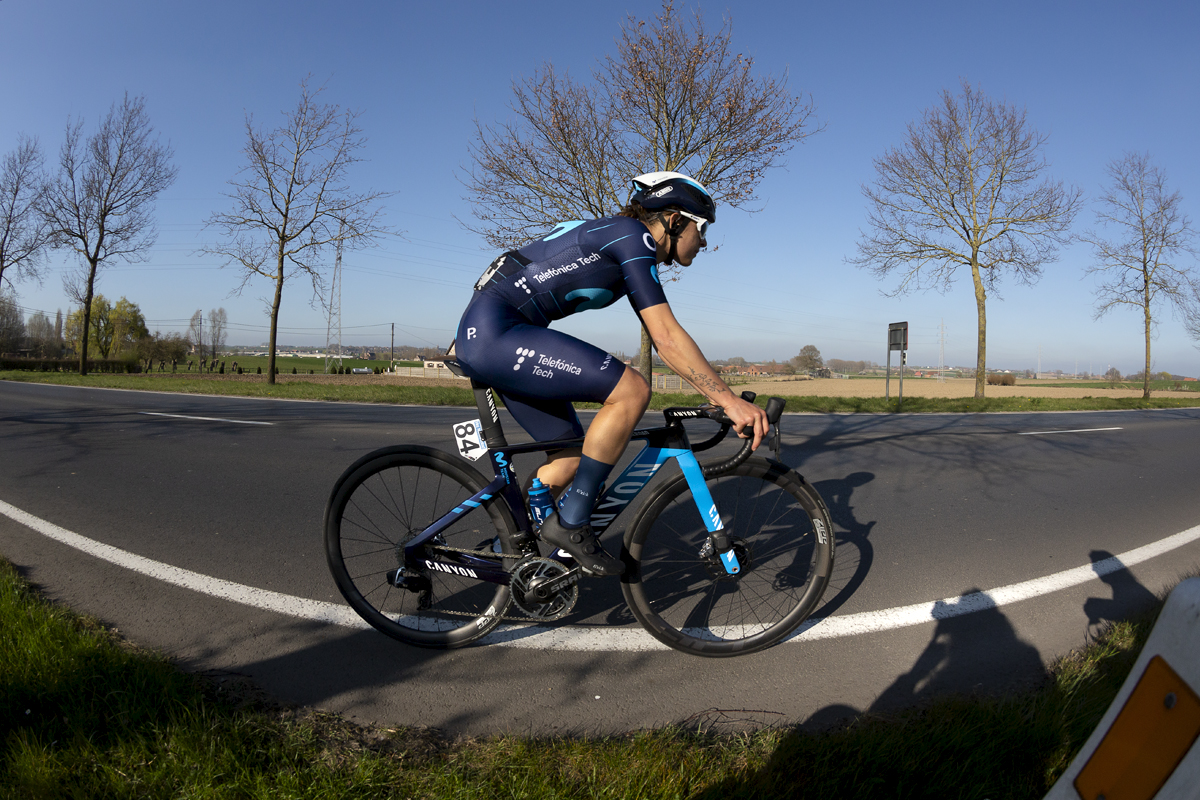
489 416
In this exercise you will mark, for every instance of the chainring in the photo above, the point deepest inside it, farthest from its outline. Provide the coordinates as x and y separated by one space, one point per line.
531 573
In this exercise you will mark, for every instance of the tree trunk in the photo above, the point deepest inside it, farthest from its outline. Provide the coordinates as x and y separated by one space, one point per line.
646 357
981 353
87 318
275 322
1146 374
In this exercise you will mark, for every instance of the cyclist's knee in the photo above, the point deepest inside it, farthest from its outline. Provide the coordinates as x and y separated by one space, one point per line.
632 390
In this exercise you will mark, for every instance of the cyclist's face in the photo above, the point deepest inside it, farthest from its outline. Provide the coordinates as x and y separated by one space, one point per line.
690 242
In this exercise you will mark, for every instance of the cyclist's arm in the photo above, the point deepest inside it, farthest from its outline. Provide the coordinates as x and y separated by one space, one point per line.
681 353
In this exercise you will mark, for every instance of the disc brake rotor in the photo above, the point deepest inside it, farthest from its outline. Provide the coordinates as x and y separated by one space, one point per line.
745 555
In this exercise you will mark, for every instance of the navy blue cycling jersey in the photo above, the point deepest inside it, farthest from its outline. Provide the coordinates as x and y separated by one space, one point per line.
503 339
579 265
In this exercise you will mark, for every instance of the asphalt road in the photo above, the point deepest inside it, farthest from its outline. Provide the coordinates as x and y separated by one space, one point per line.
927 508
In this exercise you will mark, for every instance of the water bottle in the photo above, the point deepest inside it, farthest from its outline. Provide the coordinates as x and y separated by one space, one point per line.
541 504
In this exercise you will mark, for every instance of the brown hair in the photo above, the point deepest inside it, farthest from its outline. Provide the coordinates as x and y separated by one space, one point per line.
634 209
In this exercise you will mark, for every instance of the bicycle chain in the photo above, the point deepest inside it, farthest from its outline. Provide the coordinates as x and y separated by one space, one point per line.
484 554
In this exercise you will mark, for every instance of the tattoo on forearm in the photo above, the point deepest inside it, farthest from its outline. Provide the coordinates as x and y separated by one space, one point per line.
703 382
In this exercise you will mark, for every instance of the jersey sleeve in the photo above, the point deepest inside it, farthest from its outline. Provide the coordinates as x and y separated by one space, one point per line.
634 250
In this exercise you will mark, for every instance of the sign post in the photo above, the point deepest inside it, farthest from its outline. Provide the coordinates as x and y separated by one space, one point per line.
897 340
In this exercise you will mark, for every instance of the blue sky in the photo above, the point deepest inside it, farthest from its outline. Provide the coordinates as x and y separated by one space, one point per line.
1100 78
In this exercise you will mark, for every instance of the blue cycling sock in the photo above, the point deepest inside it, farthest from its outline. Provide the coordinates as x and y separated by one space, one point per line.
577 506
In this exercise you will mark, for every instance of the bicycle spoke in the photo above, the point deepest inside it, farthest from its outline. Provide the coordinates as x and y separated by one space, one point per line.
381 505
690 603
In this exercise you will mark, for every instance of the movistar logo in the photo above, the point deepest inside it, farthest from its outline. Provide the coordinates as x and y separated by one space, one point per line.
562 228
593 298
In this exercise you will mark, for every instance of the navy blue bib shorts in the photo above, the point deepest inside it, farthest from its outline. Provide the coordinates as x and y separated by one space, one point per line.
504 339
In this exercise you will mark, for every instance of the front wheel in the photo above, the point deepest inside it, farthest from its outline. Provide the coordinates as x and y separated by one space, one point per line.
378 505
783 537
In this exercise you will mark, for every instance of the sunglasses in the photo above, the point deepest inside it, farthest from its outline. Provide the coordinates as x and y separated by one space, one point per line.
701 223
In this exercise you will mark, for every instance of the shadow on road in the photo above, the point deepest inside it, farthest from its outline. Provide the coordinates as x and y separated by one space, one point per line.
1128 596
854 551
372 679
972 654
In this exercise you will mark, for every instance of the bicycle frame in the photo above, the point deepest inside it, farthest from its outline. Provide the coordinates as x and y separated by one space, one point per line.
662 444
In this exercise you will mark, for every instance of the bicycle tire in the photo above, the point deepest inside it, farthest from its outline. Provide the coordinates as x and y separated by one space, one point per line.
381 502
783 535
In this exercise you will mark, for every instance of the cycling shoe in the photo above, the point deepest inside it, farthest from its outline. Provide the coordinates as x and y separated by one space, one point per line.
582 544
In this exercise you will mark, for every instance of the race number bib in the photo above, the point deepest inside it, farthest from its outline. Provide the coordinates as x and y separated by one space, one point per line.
468 438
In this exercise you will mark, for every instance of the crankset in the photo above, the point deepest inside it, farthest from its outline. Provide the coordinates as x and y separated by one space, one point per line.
544 588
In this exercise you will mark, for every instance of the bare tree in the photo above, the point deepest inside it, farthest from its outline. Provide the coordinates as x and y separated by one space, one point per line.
966 189
101 203
291 201
217 321
24 234
40 331
1139 264
195 332
12 324
1191 316
674 97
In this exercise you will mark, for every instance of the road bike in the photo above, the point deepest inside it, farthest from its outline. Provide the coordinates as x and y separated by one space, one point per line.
724 557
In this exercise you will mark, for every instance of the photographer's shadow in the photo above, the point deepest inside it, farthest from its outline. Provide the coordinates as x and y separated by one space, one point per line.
1129 597
968 653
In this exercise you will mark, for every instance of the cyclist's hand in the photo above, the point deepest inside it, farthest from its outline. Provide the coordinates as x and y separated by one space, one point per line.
744 414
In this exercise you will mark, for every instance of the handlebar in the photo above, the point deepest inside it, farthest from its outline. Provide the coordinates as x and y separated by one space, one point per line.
775 406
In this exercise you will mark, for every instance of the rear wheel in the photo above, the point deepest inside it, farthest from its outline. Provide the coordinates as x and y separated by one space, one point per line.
782 534
381 503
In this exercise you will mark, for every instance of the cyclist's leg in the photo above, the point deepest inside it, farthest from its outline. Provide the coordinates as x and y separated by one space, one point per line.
538 372
608 434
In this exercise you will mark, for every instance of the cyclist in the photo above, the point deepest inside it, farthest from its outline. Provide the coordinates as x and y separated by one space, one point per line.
504 340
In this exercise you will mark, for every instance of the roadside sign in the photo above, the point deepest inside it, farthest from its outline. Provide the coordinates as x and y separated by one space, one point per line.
897 340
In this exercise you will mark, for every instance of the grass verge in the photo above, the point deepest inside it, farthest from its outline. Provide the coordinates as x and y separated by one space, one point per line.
461 395
85 715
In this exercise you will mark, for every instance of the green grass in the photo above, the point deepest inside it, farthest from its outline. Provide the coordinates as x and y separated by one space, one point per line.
461 395
85 715
303 364
257 386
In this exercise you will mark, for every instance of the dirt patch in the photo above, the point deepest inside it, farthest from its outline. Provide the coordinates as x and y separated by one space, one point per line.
929 387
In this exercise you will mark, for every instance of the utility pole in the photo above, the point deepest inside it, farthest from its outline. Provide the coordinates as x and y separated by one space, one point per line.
333 347
942 352
392 352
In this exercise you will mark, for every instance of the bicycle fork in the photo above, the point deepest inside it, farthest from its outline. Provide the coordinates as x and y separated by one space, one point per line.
718 540
638 473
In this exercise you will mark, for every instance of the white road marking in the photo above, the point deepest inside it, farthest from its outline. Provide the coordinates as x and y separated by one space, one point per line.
1080 430
603 637
206 419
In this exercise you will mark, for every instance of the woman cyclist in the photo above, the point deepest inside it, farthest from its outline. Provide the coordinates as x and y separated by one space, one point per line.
504 340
